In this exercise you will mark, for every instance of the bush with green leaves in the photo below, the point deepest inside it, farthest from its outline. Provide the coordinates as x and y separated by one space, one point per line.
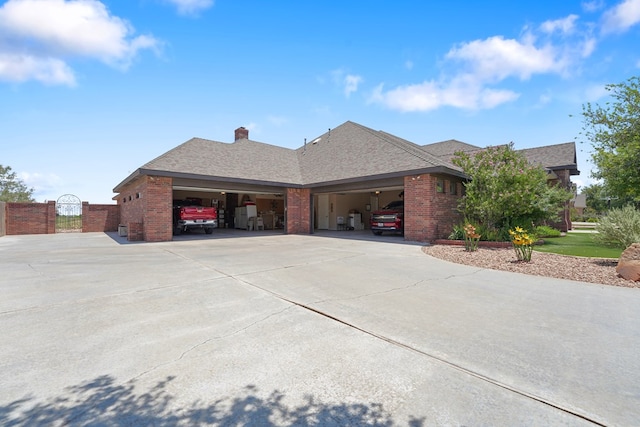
546 231
619 228
505 191
457 233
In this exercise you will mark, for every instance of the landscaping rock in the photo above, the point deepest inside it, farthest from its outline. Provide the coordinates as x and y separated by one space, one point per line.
629 263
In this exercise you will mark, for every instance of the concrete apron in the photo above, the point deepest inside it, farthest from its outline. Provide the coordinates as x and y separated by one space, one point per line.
281 330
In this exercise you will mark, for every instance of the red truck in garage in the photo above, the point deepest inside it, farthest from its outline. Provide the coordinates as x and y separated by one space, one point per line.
389 218
189 214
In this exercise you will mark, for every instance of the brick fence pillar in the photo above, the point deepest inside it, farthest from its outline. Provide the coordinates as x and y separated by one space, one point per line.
51 217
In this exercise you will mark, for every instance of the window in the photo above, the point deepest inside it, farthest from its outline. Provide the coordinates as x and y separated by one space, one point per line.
453 187
440 185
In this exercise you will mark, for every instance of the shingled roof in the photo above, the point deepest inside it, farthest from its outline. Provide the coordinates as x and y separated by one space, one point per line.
348 152
344 154
353 151
554 157
446 149
243 159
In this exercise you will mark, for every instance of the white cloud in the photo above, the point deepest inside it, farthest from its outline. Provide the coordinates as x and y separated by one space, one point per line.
472 70
20 68
191 7
544 99
348 82
621 17
463 92
564 26
43 34
497 58
592 6
351 83
43 184
594 92
588 47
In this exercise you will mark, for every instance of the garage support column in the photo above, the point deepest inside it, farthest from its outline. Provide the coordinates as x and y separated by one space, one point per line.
157 221
429 214
417 208
145 208
298 211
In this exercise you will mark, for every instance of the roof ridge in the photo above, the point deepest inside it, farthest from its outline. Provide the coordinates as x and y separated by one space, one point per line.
407 146
548 146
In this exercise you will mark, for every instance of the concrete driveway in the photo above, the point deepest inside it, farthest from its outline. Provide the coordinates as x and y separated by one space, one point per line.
302 330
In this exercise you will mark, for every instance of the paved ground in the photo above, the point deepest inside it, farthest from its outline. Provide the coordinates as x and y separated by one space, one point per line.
303 330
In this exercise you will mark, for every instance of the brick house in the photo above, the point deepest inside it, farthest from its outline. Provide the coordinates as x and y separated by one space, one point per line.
347 172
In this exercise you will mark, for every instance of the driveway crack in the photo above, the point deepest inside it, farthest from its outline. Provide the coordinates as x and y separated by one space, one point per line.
214 338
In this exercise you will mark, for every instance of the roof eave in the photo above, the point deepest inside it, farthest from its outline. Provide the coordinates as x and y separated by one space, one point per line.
127 180
573 170
399 174
183 175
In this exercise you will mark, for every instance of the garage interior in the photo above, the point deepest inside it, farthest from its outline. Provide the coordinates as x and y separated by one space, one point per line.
336 211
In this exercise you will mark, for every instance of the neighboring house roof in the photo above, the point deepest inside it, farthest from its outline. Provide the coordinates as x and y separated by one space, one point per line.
554 157
580 201
345 154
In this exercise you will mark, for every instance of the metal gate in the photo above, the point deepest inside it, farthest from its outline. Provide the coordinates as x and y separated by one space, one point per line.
68 214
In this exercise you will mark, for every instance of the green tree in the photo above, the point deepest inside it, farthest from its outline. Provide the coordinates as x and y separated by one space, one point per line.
614 132
12 189
505 190
600 200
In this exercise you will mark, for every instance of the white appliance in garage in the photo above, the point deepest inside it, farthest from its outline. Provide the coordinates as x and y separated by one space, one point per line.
243 213
355 221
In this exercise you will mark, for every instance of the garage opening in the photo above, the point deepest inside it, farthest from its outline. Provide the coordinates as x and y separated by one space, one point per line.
234 210
352 210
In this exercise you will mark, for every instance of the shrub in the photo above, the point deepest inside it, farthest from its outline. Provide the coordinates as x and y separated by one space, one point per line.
546 231
504 190
619 228
457 233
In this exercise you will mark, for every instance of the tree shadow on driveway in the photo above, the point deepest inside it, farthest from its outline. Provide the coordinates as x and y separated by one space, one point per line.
103 402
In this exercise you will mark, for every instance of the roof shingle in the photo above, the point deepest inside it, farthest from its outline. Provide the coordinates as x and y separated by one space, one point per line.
347 152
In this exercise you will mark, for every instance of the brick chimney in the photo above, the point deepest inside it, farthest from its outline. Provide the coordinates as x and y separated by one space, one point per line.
242 133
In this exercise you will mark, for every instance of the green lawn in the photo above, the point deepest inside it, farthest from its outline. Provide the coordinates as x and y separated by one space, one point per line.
577 244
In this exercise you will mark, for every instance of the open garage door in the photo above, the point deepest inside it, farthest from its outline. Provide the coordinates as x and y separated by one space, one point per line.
351 210
246 210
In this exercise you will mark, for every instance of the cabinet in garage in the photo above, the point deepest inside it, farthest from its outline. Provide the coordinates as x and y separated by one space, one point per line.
242 215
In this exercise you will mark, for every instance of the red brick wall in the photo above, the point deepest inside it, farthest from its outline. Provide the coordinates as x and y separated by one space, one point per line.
30 218
429 214
135 231
98 218
148 201
298 211
3 218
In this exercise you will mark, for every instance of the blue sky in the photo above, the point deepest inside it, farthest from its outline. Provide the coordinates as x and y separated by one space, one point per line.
91 90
